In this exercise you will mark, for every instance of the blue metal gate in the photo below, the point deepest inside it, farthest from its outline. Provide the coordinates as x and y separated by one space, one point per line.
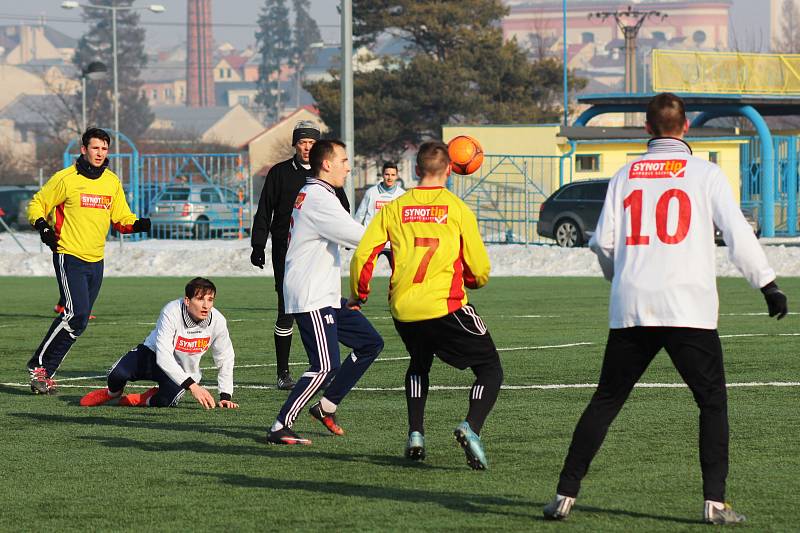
786 182
145 176
506 194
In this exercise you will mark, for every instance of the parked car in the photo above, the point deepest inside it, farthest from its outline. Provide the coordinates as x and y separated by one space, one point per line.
570 214
14 201
199 211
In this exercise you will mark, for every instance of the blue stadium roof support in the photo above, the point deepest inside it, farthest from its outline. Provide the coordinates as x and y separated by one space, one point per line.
713 106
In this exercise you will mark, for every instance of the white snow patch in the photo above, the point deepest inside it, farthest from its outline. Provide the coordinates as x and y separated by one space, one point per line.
211 258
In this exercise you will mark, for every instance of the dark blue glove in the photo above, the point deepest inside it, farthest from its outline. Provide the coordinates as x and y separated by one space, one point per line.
47 234
776 300
142 225
258 258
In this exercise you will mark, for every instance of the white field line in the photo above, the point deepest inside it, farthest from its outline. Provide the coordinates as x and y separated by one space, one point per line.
62 381
551 386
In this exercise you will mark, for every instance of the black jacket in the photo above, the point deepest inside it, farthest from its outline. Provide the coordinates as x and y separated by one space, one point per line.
283 182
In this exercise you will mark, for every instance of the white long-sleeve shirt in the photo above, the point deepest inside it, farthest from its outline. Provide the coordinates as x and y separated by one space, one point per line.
313 267
179 343
374 198
655 239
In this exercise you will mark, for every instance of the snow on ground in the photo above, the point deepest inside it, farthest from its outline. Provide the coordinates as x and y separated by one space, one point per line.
232 258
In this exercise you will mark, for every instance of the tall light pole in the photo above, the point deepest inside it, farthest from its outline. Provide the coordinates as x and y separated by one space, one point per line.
155 8
629 30
93 71
564 50
346 118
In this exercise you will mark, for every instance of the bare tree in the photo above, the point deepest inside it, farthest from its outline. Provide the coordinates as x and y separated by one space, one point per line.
789 42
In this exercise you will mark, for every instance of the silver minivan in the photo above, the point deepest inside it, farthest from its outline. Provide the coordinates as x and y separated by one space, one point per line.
199 211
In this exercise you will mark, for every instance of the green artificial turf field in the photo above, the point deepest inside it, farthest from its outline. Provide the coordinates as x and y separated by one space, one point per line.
68 468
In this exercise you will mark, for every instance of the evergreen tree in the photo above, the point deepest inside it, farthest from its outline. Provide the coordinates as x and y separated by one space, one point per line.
460 71
274 39
304 35
96 45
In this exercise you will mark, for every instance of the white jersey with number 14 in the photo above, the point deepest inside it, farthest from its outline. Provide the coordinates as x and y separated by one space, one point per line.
655 239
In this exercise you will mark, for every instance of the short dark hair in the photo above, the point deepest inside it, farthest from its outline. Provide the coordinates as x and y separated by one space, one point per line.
199 287
432 158
94 133
666 114
322 151
389 164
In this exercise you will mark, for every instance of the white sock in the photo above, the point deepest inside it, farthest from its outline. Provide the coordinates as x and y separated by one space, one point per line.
327 405
715 505
277 426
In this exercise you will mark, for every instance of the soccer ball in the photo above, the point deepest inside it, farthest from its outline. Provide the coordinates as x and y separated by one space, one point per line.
466 154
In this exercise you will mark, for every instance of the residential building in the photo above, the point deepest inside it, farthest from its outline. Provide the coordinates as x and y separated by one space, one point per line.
23 43
224 125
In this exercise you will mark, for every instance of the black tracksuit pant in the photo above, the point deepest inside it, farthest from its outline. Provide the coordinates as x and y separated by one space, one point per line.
697 355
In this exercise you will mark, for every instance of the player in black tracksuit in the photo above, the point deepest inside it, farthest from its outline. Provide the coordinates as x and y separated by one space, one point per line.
282 184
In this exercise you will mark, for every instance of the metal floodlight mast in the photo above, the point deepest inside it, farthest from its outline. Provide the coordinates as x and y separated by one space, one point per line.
629 22
93 71
155 8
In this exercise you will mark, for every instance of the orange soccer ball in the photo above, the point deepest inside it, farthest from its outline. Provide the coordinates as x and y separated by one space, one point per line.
466 154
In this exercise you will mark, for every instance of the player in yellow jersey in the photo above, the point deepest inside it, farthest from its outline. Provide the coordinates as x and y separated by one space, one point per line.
86 197
438 252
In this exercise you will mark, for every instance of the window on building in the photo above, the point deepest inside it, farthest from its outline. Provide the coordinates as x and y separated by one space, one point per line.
587 162
713 157
244 99
168 92
221 73
699 37
587 37
155 94
229 73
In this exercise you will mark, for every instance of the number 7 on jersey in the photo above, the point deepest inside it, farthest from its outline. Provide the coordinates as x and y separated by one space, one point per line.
432 244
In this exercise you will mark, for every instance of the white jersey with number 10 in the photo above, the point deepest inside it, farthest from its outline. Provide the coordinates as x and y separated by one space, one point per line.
655 239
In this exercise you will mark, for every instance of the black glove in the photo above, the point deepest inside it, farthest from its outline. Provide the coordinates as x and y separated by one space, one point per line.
47 234
258 258
142 225
776 300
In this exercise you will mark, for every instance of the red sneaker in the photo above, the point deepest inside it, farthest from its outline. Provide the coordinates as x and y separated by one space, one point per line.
138 400
58 309
97 397
328 419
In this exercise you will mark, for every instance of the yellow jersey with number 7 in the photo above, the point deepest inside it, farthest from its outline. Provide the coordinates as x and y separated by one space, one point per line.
437 250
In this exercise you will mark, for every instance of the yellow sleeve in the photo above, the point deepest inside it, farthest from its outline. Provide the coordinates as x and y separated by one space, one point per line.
122 218
476 259
364 257
53 193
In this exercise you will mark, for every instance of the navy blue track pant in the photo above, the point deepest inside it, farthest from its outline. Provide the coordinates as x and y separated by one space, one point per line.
79 284
322 331
139 364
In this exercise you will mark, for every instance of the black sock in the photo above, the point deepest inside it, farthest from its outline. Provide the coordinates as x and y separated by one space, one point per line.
416 395
283 343
483 394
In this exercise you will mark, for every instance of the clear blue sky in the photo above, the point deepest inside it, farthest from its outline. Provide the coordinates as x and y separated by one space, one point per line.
235 19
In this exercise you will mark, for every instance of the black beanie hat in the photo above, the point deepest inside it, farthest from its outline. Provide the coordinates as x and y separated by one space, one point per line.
305 129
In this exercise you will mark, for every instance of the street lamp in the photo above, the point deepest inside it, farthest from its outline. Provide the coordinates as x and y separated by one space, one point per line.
346 116
93 71
155 8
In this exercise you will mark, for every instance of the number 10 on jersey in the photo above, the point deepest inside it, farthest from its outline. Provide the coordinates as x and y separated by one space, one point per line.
634 202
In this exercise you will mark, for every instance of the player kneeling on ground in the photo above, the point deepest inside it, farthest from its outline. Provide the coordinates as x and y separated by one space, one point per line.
437 252
186 329
312 291
660 258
